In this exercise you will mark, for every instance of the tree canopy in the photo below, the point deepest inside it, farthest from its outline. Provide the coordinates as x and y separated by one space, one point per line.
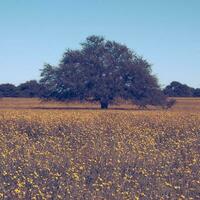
102 70
196 92
176 89
28 89
8 90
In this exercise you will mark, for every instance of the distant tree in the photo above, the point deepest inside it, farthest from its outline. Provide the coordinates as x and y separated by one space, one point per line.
30 89
101 71
176 89
196 92
8 90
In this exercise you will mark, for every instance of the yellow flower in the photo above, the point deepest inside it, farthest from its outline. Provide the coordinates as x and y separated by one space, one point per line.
17 190
76 176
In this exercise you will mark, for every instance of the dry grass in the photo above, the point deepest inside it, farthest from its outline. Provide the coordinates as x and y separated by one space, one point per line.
188 104
94 154
185 104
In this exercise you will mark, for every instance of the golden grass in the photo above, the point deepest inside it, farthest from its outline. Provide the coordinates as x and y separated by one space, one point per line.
95 154
185 104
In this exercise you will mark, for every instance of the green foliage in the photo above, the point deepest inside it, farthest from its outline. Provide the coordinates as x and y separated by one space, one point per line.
30 89
8 90
101 70
196 92
176 89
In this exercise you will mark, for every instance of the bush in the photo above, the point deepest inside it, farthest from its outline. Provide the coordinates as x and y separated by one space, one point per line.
170 103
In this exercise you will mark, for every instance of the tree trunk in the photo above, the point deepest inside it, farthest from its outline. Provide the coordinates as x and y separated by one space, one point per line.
104 105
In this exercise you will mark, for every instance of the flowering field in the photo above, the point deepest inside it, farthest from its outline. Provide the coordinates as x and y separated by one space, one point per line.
94 154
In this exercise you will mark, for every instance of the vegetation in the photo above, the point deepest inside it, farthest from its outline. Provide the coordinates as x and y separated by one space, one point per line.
28 89
176 89
93 154
34 89
102 70
8 90
182 104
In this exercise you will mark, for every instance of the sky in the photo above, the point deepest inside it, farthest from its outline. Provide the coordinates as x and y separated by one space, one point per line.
165 32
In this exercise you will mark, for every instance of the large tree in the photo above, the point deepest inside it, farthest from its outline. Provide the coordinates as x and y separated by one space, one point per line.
101 70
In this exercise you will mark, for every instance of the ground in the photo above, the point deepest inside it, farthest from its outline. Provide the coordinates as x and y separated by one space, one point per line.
76 151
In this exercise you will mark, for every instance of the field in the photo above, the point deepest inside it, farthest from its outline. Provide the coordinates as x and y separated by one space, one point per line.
69 151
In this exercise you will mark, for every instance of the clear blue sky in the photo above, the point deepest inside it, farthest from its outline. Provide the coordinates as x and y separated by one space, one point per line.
165 32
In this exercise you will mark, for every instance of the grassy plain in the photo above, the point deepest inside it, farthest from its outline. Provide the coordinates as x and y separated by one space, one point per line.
62 151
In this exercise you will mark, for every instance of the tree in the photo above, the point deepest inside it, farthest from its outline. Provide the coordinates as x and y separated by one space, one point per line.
176 89
30 89
8 90
196 92
100 71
